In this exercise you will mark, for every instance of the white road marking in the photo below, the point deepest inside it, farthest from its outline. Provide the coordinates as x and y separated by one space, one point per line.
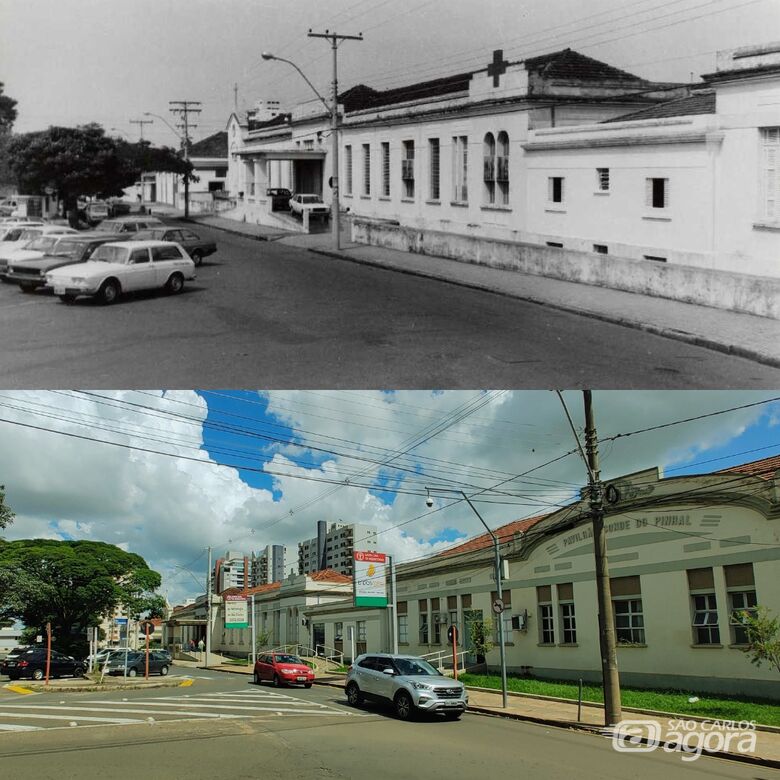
16 727
69 717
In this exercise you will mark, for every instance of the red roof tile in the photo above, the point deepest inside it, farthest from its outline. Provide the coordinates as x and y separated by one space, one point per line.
250 591
328 575
764 468
505 534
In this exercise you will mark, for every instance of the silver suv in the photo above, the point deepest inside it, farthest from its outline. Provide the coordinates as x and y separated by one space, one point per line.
409 683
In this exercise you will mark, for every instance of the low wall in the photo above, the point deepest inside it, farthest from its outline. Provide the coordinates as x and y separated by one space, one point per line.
758 295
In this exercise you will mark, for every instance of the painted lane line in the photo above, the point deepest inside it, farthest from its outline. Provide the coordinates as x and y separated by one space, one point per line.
118 708
209 706
241 701
121 721
16 727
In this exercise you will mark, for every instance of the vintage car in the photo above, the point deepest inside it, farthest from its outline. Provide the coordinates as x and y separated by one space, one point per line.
197 247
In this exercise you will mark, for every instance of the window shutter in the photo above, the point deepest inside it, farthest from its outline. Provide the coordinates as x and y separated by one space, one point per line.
649 193
667 199
401 607
465 601
625 586
423 604
543 593
452 602
566 591
771 180
739 575
700 579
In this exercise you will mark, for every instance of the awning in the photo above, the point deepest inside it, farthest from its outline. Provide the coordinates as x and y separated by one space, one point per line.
282 154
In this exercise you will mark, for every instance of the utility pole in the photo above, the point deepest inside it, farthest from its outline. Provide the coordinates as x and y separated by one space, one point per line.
141 123
609 668
184 108
335 39
235 98
208 613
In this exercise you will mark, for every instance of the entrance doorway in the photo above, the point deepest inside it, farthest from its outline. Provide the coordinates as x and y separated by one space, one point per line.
318 638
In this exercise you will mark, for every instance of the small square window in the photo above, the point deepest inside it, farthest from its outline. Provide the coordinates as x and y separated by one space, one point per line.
601 249
602 179
656 258
555 244
555 189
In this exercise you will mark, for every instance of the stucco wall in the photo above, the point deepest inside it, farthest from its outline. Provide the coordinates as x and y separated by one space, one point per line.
721 289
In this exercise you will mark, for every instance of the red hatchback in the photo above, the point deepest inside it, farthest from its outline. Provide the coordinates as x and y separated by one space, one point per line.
283 669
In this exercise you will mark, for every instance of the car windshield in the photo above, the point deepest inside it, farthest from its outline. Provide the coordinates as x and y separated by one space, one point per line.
310 199
67 248
111 254
288 659
29 234
150 235
42 243
414 667
110 226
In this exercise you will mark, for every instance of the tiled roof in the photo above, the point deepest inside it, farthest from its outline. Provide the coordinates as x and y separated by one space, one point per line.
571 65
214 146
505 534
361 97
249 591
764 468
700 103
279 119
328 575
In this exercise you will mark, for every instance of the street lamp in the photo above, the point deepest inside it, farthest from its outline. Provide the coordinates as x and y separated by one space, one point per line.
333 110
499 593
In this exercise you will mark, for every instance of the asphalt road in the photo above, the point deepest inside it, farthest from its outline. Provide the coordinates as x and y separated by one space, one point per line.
222 726
267 315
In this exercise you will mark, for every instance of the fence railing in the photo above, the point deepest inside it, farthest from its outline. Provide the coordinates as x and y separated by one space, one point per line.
329 654
438 658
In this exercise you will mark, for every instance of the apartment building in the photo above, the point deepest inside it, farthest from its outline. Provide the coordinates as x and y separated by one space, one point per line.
333 547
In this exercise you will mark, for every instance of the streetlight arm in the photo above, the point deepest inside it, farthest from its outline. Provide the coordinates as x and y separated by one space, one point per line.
267 56
163 119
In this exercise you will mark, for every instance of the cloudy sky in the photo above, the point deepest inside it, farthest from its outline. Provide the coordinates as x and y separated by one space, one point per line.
74 61
239 470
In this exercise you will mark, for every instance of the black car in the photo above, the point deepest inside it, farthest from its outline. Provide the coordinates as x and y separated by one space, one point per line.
195 246
30 662
135 663
280 198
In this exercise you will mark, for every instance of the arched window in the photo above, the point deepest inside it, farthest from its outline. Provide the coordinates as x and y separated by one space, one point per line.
502 168
489 177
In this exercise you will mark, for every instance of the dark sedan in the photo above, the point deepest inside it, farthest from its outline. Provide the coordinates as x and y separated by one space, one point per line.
134 663
196 247
30 662
31 274
280 198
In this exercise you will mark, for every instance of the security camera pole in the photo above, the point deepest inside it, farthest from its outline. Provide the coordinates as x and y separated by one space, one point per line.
208 613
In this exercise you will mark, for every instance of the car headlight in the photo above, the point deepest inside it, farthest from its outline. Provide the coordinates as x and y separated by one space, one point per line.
418 686
78 279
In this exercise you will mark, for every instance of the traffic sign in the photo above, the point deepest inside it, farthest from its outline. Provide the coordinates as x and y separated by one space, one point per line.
452 634
146 624
120 621
498 606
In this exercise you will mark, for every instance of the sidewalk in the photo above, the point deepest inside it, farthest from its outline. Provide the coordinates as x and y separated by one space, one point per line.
755 338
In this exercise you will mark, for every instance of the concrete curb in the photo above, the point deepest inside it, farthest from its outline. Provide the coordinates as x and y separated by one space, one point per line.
103 687
657 330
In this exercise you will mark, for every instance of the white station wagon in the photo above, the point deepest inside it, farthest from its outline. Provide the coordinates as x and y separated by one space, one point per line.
118 268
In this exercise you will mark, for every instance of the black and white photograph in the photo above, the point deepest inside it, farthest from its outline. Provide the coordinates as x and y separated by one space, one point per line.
389 388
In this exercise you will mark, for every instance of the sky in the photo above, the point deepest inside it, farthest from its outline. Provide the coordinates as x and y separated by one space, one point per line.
70 62
238 470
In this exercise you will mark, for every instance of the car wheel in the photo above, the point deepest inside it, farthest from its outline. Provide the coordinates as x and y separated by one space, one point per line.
27 288
79 671
197 257
67 298
452 715
175 284
307 685
109 291
163 670
132 672
257 679
404 707
354 696
37 674
277 681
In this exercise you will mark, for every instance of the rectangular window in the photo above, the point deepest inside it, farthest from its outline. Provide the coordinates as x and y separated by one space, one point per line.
555 244
568 623
403 629
770 173
366 169
740 584
627 605
546 618
347 170
407 169
602 179
704 608
555 189
361 630
460 167
657 193
655 258
338 632
434 150
601 249
385 169
423 628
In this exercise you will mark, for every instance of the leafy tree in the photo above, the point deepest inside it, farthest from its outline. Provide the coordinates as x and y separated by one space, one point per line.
763 635
8 112
481 633
72 585
263 639
6 513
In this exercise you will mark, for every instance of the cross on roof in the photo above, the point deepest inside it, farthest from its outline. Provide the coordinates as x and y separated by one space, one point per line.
498 66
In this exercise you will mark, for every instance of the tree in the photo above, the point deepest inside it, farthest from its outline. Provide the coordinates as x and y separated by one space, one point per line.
8 111
763 635
6 513
480 633
72 585
84 161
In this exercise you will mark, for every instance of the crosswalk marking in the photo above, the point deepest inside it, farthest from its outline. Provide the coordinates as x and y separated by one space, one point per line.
233 705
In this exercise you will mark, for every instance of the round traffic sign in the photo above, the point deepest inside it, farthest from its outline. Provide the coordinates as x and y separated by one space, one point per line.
146 625
498 606
452 633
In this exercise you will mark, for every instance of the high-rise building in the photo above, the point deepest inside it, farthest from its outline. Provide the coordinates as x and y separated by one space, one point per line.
333 547
267 566
232 571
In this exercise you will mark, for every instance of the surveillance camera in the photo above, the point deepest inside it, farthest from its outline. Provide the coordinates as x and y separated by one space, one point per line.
429 502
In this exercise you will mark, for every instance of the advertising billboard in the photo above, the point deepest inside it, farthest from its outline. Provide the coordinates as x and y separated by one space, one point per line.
369 579
236 612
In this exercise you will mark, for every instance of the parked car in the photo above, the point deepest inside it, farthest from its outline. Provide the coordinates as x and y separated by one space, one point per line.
133 663
35 239
311 203
96 211
30 273
280 198
409 683
282 669
120 267
197 247
129 224
118 208
30 662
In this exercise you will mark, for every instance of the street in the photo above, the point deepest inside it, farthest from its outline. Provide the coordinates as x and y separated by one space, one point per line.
224 726
264 314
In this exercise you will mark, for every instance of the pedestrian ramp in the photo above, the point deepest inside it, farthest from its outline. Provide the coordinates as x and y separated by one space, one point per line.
46 713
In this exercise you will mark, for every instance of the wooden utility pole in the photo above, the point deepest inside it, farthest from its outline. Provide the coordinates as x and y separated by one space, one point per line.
141 123
184 108
607 644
